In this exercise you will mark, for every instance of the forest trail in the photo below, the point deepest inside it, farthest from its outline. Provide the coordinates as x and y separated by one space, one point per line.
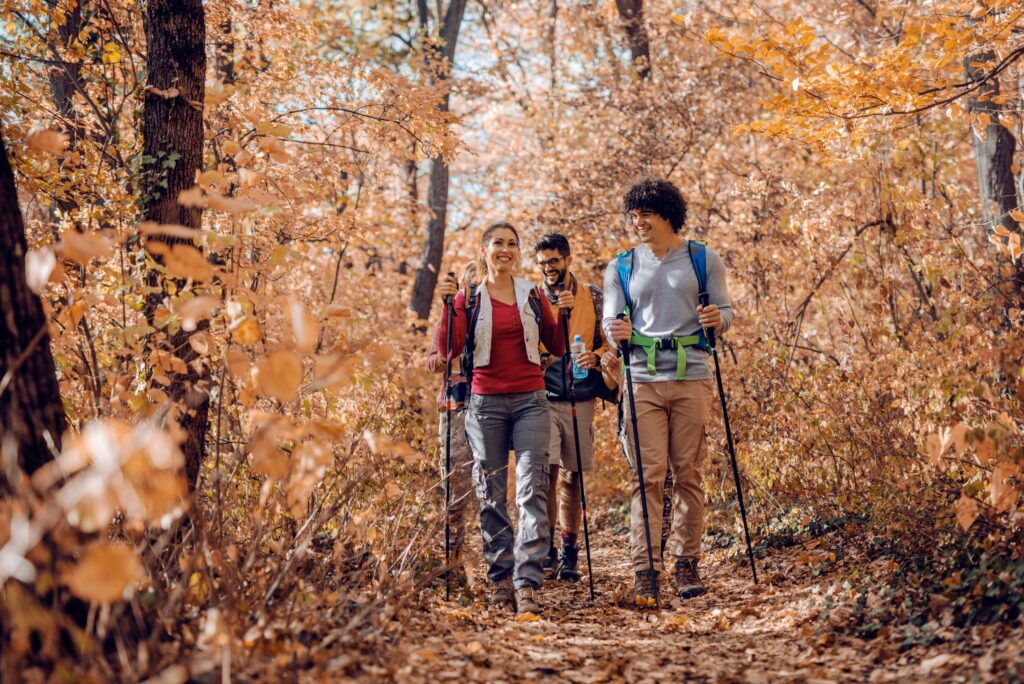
735 633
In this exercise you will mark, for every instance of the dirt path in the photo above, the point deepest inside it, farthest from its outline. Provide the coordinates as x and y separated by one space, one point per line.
736 633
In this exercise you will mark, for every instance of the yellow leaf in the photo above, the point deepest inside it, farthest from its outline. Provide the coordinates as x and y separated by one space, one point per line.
984 120
247 331
232 147
527 617
280 375
111 53
1017 215
104 573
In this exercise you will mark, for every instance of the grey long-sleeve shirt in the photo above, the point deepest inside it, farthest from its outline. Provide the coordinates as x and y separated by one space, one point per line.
664 293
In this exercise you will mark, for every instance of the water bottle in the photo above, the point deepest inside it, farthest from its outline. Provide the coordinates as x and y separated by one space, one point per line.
576 348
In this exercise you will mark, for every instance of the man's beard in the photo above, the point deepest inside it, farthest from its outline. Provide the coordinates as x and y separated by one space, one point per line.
559 280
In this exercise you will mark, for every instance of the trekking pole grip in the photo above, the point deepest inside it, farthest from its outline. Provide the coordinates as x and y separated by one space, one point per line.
705 300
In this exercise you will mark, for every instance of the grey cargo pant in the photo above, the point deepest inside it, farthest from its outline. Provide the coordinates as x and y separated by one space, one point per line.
490 421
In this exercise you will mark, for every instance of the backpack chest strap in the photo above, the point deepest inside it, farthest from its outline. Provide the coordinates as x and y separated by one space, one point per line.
651 344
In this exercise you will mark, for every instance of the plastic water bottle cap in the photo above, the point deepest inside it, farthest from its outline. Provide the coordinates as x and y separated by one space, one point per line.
577 339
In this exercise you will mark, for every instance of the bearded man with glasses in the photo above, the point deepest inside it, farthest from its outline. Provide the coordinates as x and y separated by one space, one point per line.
553 258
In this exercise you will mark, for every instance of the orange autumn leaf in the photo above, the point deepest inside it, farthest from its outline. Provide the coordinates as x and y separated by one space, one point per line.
280 375
104 573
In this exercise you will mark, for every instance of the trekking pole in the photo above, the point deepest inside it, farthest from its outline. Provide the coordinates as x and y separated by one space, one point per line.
449 312
710 333
639 466
579 460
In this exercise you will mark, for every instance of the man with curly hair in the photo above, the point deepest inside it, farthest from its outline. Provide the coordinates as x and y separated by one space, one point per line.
656 284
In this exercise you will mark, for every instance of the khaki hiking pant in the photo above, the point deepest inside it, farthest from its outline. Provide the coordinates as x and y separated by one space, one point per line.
671 418
462 495
564 497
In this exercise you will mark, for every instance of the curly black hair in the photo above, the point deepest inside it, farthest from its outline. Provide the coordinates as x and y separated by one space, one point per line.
659 196
555 241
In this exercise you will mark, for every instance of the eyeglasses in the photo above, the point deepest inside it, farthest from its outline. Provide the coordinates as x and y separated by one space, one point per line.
551 263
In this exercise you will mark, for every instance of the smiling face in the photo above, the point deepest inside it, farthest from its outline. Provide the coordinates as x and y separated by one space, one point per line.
553 265
501 251
650 227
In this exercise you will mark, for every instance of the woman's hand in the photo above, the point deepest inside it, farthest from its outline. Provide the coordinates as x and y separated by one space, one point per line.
447 287
610 362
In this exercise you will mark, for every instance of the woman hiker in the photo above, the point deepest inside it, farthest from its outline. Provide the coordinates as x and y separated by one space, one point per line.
502 321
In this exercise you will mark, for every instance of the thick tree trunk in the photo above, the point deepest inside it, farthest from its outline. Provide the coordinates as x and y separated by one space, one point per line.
176 59
437 190
993 155
632 14
30 405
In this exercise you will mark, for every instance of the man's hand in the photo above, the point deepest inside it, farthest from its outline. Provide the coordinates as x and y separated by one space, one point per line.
621 330
546 360
588 360
710 316
565 300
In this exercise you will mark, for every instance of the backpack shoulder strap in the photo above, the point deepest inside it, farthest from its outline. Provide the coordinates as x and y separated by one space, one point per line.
699 260
597 297
535 305
624 265
472 306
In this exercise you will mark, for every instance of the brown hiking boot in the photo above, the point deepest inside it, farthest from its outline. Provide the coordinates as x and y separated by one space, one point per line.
527 601
688 584
501 594
644 590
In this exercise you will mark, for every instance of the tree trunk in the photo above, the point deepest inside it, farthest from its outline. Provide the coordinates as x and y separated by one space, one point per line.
632 14
30 407
993 155
437 191
176 58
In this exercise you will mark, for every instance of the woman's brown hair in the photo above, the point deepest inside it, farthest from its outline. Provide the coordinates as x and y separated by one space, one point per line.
481 262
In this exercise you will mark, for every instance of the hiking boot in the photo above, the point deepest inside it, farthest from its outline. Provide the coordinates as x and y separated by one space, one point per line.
527 601
644 590
567 562
688 584
550 563
501 594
